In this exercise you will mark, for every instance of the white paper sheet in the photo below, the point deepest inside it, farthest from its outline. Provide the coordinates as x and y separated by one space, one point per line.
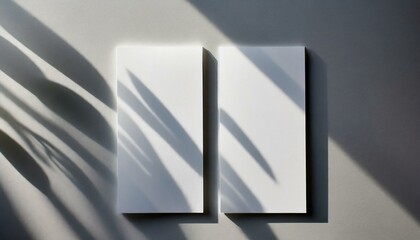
160 129
262 129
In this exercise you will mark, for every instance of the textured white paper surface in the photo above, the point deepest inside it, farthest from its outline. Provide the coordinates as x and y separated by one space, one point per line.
160 129
262 129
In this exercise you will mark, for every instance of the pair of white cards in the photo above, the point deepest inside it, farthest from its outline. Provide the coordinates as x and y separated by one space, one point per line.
262 155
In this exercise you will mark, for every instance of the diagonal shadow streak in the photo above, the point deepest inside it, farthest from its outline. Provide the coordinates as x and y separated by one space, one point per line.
124 143
54 50
277 75
63 101
235 192
66 165
151 119
11 227
182 141
153 164
245 141
162 121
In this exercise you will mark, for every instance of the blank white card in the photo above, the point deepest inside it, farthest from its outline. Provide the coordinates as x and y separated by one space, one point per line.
160 129
262 129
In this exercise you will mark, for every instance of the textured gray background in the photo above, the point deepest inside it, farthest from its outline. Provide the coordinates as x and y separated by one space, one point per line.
57 168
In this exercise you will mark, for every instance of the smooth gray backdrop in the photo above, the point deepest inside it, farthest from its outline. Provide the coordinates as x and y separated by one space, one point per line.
57 112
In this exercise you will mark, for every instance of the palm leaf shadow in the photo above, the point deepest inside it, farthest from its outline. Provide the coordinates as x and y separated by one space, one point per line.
49 154
33 173
54 50
233 127
63 101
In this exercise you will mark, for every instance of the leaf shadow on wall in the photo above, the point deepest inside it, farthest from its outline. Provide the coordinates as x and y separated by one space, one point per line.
13 228
69 106
63 101
233 127
29 169
55 51
52 156
161 121
154 181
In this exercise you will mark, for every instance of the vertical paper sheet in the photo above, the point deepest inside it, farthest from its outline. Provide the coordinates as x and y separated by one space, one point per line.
262 129
160 129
